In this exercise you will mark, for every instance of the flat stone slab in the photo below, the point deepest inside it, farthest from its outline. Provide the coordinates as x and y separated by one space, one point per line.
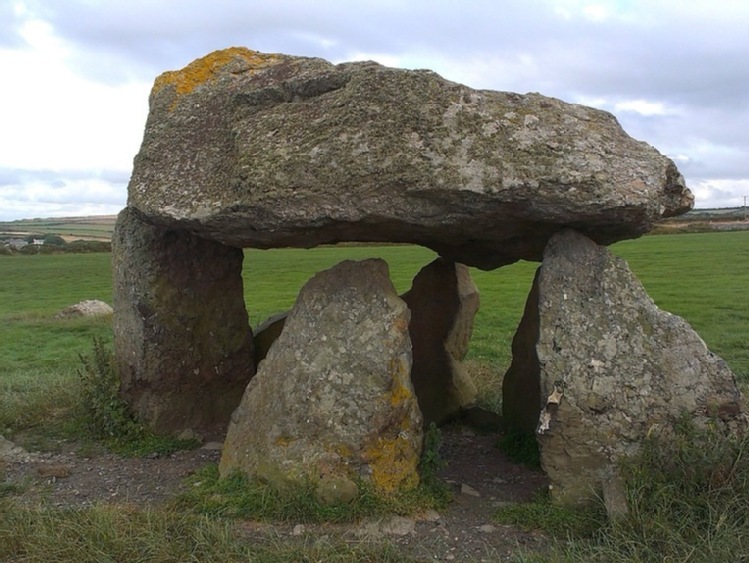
267 150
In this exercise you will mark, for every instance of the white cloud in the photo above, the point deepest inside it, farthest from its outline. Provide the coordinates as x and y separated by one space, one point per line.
61 120
721 192
643 107
50 193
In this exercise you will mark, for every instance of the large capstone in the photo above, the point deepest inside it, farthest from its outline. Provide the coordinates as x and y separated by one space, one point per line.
183 345
265 150
443 301
610 368
332 402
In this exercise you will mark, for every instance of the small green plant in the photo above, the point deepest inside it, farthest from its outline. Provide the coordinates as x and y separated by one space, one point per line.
5 487
106 416
558 521
521 447
430 465
431 461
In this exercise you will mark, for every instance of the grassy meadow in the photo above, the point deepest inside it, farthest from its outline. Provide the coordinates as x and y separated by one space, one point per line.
702 277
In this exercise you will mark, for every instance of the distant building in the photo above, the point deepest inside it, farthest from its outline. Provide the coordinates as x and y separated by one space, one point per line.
16 243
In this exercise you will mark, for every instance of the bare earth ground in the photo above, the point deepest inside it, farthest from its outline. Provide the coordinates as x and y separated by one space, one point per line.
481 476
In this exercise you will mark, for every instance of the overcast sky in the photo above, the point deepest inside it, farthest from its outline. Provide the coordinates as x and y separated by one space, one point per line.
76 74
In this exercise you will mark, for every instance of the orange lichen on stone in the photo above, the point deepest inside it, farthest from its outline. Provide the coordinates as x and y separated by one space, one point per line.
394 463
284 441
399 392
207 68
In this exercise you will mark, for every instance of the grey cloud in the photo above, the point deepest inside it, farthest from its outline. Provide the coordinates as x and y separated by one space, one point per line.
692 57
46 193
668 57
156 36
15 176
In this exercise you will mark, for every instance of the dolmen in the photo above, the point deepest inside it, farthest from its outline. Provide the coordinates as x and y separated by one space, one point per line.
252 150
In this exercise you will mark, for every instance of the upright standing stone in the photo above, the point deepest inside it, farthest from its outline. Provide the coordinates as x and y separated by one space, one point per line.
266 333
443 301
613 367
183 345
521 393
332 401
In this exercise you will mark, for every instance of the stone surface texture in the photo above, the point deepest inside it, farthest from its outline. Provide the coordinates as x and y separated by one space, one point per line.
613 368
521 393
183 345
266 333
267 150
332 401
443 301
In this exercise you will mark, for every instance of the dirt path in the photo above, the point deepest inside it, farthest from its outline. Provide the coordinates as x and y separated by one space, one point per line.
480 475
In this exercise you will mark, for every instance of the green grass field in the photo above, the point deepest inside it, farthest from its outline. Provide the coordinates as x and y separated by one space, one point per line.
87 228
702 277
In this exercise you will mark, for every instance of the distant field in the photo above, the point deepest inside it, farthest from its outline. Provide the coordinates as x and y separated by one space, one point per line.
702 277
99 227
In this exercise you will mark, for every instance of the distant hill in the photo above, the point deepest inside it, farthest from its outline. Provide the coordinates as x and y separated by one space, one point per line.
702 220
96 228
100 227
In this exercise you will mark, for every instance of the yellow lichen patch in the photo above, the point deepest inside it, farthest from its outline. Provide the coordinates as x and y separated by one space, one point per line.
400 391
343 451
206 68
284 441
393 462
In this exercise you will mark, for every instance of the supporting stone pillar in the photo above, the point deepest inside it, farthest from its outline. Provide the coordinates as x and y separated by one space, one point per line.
521 390
611 368
443 301
182 342
332 402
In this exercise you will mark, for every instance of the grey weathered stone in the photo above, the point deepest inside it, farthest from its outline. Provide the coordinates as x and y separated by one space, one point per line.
11 452
336 489
443 301
613 367
268 150
521 393
614 492
333 396
183 345
86 308
266 334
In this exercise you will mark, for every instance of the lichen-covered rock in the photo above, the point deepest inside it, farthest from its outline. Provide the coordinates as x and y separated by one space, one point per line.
332 401
613 368
443 301
183 345
266 150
